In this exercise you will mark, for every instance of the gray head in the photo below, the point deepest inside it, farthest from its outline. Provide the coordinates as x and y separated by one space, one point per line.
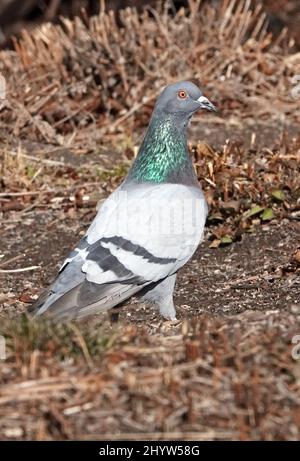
183 98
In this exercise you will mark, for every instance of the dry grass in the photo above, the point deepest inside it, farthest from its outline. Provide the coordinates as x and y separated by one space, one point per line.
92 73
246 187
230 378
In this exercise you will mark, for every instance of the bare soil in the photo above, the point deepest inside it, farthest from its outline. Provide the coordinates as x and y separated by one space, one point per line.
253 274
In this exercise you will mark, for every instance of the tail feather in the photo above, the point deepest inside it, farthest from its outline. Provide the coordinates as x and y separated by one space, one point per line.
83 300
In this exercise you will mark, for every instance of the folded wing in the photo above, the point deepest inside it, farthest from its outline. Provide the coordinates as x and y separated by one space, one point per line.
141 235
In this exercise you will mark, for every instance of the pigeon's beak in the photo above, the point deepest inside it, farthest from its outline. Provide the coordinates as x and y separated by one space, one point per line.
206 104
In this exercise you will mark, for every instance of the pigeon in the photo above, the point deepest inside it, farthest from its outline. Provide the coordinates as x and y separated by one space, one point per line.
146 230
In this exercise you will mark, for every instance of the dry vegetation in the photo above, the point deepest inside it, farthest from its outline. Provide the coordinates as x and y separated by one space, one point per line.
224 380
92 73
77 96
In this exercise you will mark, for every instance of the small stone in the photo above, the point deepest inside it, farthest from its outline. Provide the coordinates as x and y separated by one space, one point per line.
295 309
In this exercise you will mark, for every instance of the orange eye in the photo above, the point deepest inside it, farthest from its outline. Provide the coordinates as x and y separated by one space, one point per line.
182 94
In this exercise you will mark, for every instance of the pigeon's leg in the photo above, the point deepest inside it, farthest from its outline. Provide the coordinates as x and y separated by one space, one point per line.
162 296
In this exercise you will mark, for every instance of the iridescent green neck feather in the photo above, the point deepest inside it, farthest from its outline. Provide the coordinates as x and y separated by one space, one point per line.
163 156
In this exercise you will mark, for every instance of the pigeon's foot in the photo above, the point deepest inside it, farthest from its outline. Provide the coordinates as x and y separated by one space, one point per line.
167 309
172 319
161 295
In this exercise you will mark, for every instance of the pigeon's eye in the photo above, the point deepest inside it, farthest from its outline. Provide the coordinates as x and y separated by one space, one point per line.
182 94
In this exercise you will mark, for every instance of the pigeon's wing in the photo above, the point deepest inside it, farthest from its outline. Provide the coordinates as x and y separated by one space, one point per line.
141 235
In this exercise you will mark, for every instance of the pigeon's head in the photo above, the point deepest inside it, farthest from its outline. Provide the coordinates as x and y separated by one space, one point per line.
183 98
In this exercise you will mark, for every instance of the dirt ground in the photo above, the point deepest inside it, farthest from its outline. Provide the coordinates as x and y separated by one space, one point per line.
253 274
223 370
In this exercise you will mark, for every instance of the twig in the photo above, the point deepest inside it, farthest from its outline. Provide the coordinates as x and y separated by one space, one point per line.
37 159
83 346
201 435
51 191
23 269
134 109
16 258
21 194
245 287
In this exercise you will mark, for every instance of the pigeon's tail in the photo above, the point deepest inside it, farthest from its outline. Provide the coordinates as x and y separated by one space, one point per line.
84 299
36 305
73 296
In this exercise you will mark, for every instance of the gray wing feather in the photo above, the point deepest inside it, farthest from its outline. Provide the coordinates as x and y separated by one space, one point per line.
89 298
72 296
